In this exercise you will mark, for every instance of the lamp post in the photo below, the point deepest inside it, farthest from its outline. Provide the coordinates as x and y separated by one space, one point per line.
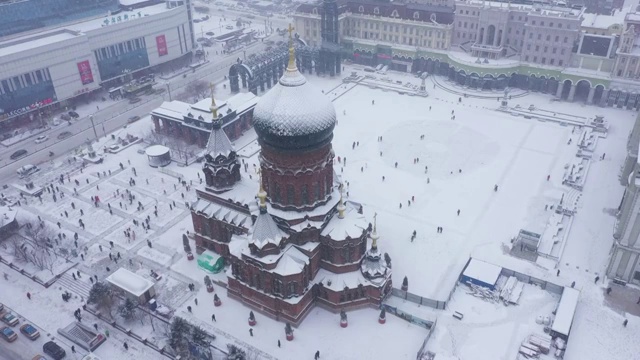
169 91
94 127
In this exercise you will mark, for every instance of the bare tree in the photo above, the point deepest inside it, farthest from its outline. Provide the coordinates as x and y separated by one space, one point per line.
198 89
43 258
20 248
40 234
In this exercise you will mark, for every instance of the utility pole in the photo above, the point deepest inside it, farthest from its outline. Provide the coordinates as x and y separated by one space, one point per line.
169 91
94 127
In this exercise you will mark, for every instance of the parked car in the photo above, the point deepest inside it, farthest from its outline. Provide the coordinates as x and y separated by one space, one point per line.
229 27
10 319
54 350
65 117
56 122
18 154
199 52
30 331
160 90
134 100
210 33
42 138
113 148
8 334
74 114
133 119
64 135
27 170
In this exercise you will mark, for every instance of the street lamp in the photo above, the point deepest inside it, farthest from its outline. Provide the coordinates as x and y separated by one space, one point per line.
169 91
94 127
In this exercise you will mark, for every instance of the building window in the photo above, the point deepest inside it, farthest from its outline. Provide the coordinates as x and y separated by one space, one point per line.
528 46
552 62
530 35
290 195
544 61
535 59
466 12
464 25
546 49
206 227
560 26
566 39
276 192
291 288
316 189
560 63
554 50
537 47
636 275
277 286
533 22
541 23
376 10
394 13
539 36
346 254
526 58
361 9
548 37
416 15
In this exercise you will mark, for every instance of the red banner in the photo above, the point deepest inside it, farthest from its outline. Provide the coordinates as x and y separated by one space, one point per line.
86 76
161 42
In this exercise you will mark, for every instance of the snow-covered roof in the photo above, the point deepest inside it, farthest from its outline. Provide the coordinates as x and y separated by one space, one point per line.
218 143
351 226
482 271
602 21
566 310
130 282
173 109
340 280
291 262
217 211
35 41
266 231
156 150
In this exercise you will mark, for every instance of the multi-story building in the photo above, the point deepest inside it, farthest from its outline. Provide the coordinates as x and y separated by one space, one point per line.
48 66
301 244
192 122
624 264
560 50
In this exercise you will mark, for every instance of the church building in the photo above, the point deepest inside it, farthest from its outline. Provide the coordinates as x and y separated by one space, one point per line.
297 243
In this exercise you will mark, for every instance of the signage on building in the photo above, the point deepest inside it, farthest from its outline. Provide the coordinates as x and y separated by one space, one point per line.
25 109
161 42
384 56
86 76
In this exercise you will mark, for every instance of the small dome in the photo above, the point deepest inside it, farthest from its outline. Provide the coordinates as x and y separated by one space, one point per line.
294 114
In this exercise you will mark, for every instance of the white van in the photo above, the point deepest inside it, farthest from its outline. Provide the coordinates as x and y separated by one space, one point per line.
27 170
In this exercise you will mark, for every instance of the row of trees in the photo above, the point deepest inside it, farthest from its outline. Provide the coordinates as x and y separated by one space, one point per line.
37 246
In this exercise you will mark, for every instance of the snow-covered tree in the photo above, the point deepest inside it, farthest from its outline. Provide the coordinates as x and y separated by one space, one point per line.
236 353
178 336
199 337
127 309
101 295
185 243
387 259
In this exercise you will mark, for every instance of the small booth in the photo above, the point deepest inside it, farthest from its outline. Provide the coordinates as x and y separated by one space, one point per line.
211 262
565 313
159 156
132 285
481 273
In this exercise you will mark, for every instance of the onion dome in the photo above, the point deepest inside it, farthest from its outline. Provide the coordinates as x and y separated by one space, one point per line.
294 114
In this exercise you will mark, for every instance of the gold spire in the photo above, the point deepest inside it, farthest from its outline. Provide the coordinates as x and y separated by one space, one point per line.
213 108
292 52
374 235
262 195
341 207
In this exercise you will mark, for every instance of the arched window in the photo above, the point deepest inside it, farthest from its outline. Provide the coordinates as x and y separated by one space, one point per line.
376 10
394 13
305 194
276 192
328 186
361 9
315 11
291 198
416 15
432 18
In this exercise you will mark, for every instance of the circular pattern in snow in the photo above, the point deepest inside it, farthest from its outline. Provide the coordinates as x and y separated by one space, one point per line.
447 147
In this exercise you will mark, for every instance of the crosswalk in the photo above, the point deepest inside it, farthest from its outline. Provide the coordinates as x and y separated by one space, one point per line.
78 287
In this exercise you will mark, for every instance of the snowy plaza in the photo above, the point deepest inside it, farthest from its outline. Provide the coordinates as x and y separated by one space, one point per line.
444 161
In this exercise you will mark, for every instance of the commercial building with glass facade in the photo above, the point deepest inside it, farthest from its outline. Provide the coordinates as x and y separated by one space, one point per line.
38 69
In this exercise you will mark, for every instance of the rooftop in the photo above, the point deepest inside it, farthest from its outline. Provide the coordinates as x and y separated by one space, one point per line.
129 282
544 9
25 43
603 21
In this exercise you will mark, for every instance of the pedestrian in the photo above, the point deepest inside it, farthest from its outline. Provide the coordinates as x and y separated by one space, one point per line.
106 332
597 278
495 188
126 346
251 332
189 308
213 317
609 290
108 270
458 212
29 295
625 322
278 343
73 349
558 272
196 301
573 284
317 356
548 177
74 276
638 302
95 326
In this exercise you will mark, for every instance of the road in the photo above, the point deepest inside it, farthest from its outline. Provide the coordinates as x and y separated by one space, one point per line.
105 121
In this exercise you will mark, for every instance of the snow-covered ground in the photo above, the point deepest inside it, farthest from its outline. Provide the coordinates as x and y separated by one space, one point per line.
466 157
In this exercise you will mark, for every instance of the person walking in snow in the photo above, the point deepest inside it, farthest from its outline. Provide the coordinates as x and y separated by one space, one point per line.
213 317
126 346
29 296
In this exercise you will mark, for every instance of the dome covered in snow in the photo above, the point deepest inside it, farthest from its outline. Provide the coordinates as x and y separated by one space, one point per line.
294 114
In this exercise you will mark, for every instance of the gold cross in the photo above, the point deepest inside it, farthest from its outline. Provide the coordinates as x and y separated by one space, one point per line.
291 28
